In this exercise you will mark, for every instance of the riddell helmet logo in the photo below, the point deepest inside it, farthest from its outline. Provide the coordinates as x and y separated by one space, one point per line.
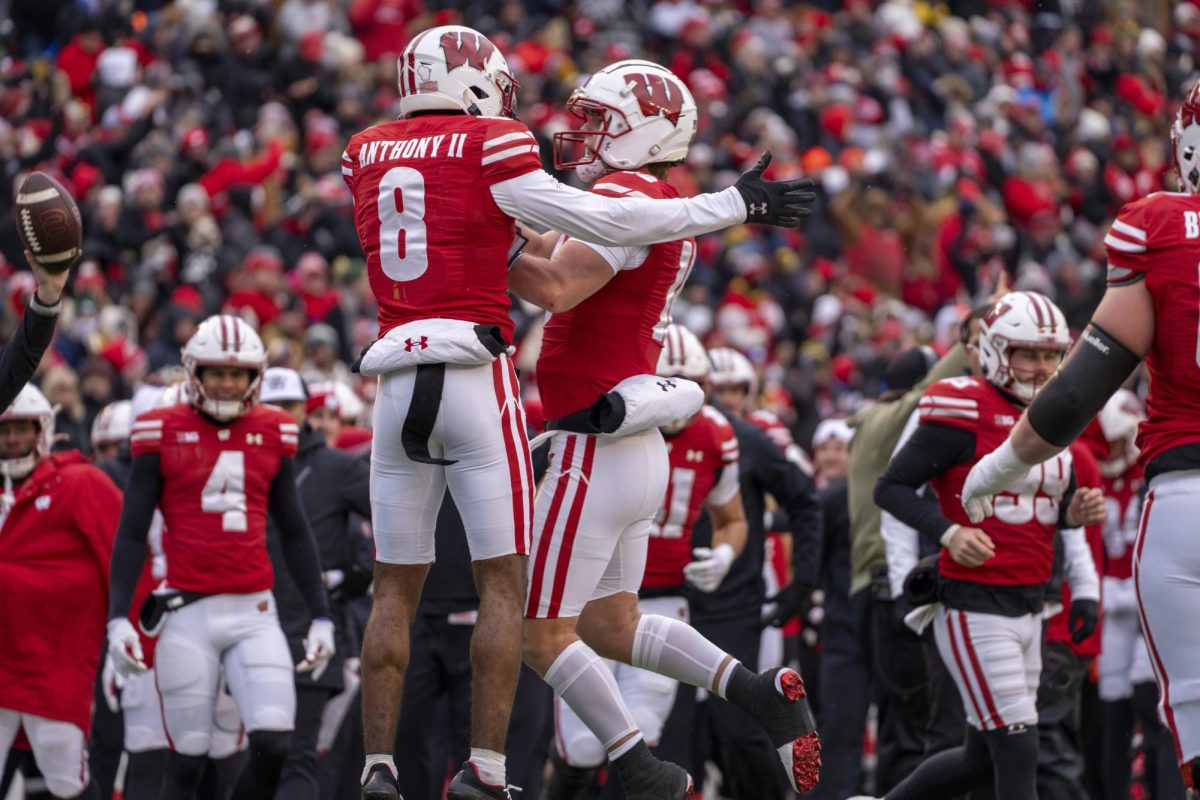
466 48
656 96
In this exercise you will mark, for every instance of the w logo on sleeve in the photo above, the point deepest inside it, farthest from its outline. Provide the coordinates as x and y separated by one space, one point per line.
462 47
656 96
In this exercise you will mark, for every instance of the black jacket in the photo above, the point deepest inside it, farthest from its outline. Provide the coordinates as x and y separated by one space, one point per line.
20 355
332 485
763 469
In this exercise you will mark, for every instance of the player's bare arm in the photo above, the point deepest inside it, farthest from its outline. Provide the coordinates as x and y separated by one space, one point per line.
729 524
711 564
561 282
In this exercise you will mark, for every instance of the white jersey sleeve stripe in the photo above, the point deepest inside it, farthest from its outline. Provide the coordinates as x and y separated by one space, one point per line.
501 155
1123 246
1128 230
147 424
960 413
145 435
952 402
509 137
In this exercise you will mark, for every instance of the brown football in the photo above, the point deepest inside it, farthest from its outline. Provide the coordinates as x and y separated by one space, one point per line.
48 221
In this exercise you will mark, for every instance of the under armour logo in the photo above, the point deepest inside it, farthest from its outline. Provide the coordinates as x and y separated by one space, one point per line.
758 208
666 386
420 344
254 438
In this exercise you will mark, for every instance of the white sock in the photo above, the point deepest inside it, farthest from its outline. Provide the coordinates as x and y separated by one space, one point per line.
582 680
673 648
490 766
379 758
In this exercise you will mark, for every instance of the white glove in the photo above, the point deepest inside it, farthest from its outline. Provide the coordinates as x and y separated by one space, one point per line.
994 473
709 567
111 683
125 648
318 648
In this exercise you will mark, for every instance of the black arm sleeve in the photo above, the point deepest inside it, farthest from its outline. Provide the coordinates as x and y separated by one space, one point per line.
296 539
142 492
932 450
1067 497
795 493
20 356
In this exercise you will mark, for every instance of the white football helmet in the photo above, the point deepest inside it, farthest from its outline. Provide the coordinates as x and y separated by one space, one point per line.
682 355
224 341
1185 141
30 404
731 368
1019 320
455 68
113 424
636 113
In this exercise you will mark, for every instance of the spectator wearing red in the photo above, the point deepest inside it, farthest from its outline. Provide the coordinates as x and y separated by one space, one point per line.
78 60
383 25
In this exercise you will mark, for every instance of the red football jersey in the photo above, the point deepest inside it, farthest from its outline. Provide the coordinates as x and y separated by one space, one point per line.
1026 516
216 484
700 456
1158 237
436 242
617 332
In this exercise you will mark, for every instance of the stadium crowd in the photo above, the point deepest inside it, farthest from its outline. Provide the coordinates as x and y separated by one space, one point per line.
952 143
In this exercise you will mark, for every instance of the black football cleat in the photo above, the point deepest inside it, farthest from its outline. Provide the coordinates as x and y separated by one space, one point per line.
467 785
777 701
381 784
644 777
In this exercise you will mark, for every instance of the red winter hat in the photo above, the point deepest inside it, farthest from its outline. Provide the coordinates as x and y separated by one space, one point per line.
835 120
1134 90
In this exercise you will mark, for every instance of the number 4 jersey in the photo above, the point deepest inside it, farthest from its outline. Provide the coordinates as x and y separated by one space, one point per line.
1027 515
216 487
435 241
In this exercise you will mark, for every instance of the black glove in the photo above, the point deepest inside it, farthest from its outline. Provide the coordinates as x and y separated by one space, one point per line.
1081 622
781 203
793 600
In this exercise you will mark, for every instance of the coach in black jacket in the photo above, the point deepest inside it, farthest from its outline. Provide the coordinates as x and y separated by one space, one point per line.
332 485
731 617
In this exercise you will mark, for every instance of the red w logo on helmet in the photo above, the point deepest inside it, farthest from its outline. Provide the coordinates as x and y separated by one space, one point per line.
466 48
656 96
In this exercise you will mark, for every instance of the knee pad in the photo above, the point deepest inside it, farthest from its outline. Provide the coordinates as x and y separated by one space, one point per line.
270 744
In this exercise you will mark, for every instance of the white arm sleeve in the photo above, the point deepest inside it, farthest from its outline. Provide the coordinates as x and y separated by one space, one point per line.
536 197
1078 567
901 543
726 487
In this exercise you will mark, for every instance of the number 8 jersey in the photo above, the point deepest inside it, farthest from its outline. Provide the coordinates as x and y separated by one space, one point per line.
435 241
215 492
1026 515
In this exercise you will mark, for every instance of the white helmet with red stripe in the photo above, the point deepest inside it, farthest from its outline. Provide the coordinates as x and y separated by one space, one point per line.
1185 141
32 405
1019 320
682 355
224 341
731 368
636 113
455 68
113 424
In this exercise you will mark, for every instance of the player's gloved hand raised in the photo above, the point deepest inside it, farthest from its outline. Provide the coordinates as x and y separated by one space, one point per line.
318 648
1082 619
125 648
781 203
709 567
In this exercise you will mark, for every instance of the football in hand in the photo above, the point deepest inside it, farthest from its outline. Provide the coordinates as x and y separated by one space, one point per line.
48 222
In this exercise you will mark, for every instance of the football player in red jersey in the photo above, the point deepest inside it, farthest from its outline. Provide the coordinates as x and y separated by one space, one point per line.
215 466
57 518
612 309
436 194
703 455
988 604
1151 310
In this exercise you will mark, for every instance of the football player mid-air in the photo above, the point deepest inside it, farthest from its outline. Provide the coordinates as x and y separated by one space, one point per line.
436 193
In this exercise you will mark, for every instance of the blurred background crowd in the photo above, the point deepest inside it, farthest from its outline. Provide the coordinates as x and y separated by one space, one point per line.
950 142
